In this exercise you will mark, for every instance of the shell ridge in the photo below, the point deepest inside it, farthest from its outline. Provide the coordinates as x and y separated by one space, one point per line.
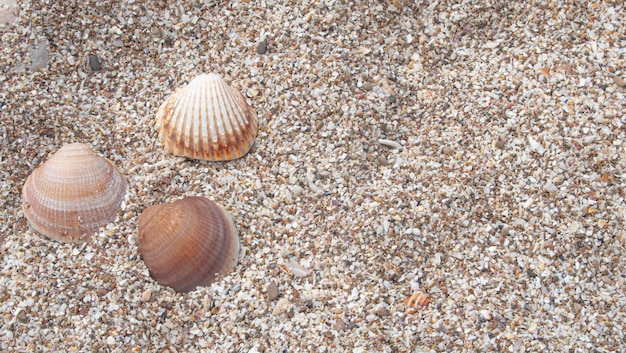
202 122
72 194
210 120
213 140
186 247
237 123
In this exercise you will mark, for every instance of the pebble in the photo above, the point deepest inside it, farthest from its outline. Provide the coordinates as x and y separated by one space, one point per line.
272 291
620 82
492 45
146 295
391 144
93 62
339 325
281 307
38 56
21 317
8 13
110 340
367 86
535 146
350 325
262 47
577 308
382 311
550 187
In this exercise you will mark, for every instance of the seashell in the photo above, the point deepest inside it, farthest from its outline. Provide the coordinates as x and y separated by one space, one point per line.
295 269
74 193
416 301
186 243
206 120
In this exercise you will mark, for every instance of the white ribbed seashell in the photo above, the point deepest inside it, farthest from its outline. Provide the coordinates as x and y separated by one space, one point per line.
72 194
206 120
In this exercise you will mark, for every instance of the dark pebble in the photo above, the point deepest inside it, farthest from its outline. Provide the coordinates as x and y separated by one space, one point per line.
272 291
93 62
262 47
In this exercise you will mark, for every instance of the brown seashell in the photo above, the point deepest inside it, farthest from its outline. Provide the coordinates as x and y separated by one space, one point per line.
74 193
187 242
417 301
207 120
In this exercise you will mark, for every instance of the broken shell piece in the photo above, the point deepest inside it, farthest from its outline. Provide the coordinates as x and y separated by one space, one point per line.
74 193
295 269
391 144
281 307
207 120
186 243
417 301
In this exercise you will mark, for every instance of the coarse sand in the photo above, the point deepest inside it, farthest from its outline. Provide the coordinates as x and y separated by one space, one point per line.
473 151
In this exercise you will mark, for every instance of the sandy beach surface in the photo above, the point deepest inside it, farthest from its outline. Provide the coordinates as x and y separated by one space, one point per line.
473 151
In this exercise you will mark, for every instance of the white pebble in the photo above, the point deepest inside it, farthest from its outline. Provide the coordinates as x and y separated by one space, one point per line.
391 144
549 187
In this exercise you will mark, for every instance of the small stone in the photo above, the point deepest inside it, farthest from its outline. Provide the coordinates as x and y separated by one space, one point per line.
71 60
219 46
531 273
620 82
339 325
382 311
500 144
367 86
486 314
535 146
252 92
262 47
21 317
550 187
155 33
492 45
93 62
577 308
39 56
281 307
106 277
382 161
110 340
146 295
272 291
